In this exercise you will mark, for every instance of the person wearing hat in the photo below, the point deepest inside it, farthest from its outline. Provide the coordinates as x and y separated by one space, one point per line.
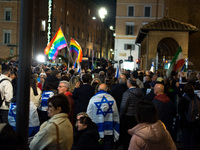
160 80
42 80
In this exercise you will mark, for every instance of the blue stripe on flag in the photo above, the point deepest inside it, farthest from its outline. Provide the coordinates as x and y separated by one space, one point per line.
108 125
117 72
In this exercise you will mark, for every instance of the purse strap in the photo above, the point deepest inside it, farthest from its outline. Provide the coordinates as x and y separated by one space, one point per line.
57 133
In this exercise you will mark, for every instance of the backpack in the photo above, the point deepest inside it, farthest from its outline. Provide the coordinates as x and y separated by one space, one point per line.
193 114
1 100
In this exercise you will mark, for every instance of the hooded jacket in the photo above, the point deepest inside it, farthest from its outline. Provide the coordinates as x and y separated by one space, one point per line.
166 110
129 101
151 137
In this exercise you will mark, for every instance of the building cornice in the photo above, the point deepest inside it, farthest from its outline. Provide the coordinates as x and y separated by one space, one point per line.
139 4
146 18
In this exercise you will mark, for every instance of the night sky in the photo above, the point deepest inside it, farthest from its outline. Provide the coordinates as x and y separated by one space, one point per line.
110 5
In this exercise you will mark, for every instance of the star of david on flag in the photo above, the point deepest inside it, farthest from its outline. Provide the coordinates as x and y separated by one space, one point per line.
99 104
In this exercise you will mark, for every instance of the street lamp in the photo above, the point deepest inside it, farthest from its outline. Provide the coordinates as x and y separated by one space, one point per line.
102 14
111 28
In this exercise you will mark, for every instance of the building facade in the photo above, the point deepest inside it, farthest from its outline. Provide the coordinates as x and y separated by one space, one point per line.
9 28
78 19
131 15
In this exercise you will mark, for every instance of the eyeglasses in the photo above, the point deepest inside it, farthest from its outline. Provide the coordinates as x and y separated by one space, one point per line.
61 86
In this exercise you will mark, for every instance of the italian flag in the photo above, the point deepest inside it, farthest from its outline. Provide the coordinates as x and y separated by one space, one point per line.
177 62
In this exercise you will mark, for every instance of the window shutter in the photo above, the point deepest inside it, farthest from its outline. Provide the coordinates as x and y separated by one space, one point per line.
132 33
125 46
133 47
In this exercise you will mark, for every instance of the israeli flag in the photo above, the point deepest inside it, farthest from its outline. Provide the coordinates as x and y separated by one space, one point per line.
79 68
117 74
34 123
152 67
45 96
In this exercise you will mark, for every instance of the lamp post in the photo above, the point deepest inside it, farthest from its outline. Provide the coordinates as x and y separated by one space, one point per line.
102 14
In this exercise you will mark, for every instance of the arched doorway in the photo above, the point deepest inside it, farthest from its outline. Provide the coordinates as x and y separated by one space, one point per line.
166 50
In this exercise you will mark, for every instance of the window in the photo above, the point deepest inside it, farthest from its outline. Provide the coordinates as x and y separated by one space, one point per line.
131 11
144 23
129 47
67 29
42 25
82 35
73 32
78 33
88 12
88 37
130 28
147 11
7 37
7 14
87 51
91 52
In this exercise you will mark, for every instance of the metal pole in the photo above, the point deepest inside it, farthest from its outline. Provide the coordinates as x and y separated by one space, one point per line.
101 41
23 92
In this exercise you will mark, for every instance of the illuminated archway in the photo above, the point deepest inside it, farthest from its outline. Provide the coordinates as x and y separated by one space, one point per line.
166 50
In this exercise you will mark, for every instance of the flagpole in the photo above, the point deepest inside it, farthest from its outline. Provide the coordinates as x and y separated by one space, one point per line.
70 54
68 50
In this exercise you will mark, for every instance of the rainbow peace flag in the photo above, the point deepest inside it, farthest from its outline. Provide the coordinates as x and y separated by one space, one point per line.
75 47
57 43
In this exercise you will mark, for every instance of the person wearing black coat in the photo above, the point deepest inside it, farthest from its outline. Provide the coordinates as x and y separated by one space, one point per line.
166 109
189 129
53 79
118 90
150 96
82 94
87 135
127 113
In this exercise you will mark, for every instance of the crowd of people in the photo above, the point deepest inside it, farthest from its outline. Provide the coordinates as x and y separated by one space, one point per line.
93 109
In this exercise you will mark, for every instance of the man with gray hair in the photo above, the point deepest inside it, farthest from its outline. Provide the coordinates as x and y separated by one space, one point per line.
102 109
63 88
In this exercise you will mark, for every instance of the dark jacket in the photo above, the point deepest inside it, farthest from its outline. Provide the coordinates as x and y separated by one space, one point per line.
82 97
183 107
129 101
53 80
86 139
165 109
71 102
117 92
150 96
14 84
